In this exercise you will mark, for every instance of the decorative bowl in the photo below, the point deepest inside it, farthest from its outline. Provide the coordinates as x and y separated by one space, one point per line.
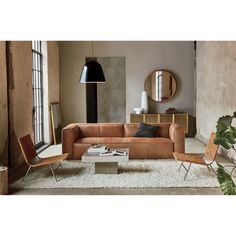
138 110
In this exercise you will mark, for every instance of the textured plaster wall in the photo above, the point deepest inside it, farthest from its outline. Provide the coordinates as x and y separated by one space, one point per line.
53 77
20 97
141 59
3 106
111 96
53 71
216 79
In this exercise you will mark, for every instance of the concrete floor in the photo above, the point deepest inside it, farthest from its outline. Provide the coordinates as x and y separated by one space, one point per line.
120 191
191 145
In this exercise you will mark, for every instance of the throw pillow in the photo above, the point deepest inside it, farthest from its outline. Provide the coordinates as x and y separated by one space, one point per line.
146 130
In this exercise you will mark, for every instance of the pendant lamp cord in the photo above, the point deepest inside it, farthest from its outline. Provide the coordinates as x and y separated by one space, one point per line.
92 48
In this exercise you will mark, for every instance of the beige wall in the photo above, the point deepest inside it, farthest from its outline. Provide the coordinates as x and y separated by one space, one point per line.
216 79
141 59
72 58
3 106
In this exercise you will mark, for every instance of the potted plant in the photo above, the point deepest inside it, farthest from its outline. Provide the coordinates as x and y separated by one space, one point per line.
225 137
227 185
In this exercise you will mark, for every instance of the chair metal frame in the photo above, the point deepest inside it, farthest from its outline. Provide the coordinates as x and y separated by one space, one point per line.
233 168
202 158
208 165
52 171
49 160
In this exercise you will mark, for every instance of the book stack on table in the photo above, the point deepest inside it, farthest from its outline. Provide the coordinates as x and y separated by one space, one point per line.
105 151
113 153
97 148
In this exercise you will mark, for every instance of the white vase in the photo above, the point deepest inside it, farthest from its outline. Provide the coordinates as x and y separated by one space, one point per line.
144 102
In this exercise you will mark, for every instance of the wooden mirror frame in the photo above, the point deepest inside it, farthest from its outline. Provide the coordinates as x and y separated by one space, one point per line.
174 91
56 131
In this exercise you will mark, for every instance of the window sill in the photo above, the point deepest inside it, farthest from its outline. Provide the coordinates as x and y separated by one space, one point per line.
42 148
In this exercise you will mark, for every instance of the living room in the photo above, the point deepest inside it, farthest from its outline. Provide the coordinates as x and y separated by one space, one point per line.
188 61
47 104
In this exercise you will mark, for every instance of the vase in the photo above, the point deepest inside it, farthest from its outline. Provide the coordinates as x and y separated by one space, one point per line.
144 102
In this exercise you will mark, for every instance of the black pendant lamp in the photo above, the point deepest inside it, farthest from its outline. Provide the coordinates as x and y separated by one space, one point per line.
92 72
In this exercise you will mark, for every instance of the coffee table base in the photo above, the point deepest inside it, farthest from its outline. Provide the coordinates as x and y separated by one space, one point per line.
106 167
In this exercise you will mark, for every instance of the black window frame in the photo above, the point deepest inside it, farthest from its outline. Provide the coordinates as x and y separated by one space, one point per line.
37 87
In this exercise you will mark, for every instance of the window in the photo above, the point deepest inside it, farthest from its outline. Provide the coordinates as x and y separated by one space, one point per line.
37 83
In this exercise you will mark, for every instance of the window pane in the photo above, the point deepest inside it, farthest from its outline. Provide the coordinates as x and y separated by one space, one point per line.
37 86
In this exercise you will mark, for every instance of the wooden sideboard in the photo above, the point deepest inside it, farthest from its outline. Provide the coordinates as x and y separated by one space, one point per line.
184 119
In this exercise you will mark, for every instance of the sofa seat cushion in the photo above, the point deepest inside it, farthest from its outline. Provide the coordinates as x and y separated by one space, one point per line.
154 141
110 140
138 147
99 140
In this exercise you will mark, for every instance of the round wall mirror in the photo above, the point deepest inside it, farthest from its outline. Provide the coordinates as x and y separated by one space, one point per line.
160 85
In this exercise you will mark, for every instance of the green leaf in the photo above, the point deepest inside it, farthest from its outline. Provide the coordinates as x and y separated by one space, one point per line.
223 142
226 133
223 123
225 137
232 131
226 183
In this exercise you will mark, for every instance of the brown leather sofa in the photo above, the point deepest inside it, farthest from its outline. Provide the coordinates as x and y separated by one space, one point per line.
77 137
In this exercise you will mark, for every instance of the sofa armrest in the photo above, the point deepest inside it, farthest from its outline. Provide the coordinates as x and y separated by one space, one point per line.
177 135
69 135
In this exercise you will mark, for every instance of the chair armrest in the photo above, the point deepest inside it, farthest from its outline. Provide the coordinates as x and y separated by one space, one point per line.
177 135
69 135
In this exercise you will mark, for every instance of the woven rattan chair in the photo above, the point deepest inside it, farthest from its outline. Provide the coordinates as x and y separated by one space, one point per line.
202 159
33 160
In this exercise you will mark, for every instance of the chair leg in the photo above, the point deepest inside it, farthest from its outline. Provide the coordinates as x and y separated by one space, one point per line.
231 172
180 166
211 168
26 173
53 172
59 165
187 171
233 168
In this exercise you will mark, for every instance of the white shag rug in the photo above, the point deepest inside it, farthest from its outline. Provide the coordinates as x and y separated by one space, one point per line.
133 174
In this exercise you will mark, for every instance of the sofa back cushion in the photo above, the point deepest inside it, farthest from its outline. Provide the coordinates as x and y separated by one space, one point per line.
101 130
131 129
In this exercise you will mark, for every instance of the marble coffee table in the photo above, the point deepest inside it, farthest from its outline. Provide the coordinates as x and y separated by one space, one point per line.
105 164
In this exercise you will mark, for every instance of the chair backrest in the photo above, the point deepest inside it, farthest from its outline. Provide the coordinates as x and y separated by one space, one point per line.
27 148
211 149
